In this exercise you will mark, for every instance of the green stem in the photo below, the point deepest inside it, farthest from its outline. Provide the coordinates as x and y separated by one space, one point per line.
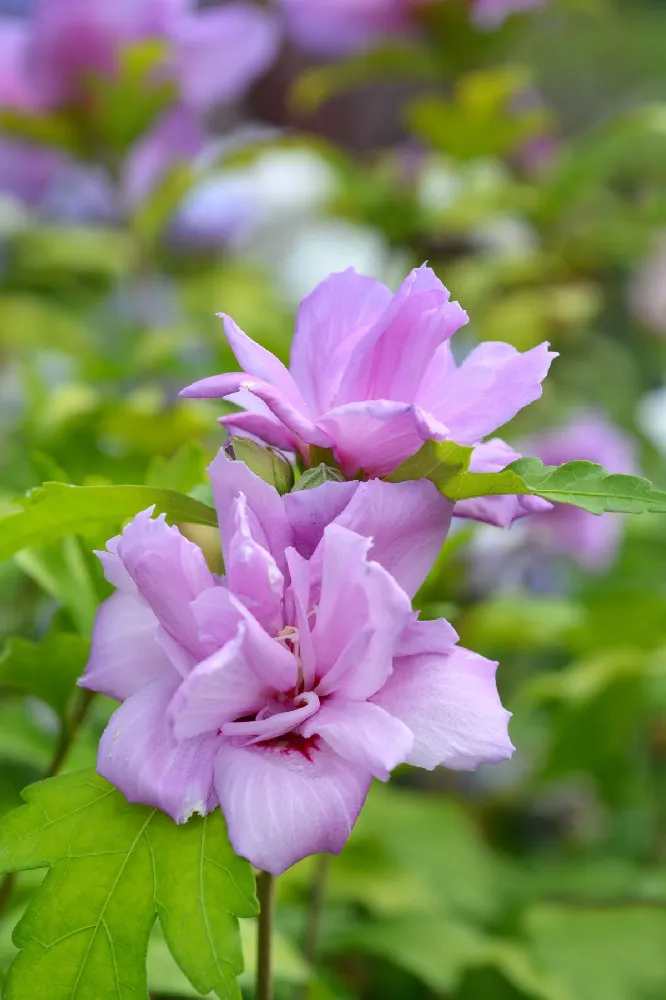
316 907
266 894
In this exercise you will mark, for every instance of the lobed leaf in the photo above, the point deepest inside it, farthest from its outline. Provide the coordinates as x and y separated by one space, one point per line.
57 509
114 867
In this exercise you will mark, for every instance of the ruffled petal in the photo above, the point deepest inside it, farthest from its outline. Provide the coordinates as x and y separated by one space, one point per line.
309 511
286 800
362 733
394 356
252 572
357 597
502 511
330 323
218 690
492 384
124 653
378 434
452 706
407 522
231 478
169 572
264 427
140 756
436 636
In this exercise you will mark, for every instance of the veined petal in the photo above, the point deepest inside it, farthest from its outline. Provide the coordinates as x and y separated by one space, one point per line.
419 637
356 596
284 801
492 384
124 653
309 511
297 606
377 435
265 427
139 755
363 734
395 355
408 524
169 572
330 323
452 706
229 479
252 572
218 690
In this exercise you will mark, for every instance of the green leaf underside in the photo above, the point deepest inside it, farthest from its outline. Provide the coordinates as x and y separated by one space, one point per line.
580 484
57 509
114 867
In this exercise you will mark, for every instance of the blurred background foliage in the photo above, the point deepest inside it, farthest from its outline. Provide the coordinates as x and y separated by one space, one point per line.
528 164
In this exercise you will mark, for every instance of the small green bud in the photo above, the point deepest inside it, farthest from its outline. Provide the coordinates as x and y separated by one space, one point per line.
267 463
317 477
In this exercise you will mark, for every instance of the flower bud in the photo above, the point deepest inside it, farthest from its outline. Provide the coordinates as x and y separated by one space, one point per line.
267 463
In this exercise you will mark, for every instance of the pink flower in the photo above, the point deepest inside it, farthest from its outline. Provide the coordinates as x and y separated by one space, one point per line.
280 690
213 54
592 540
372 376
339 27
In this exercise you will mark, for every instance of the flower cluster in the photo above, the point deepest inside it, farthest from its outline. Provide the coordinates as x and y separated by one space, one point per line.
279 690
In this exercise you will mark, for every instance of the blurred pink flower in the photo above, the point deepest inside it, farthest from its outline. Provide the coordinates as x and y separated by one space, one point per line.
212 54
592 540
338 27
372 376
280 690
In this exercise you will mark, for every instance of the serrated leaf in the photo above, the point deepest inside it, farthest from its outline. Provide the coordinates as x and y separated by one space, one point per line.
47 670
114 867
581 484
442 462
57 509
590 486
317 476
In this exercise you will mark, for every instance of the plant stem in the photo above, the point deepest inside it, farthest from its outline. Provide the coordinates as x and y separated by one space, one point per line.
315 909
266 894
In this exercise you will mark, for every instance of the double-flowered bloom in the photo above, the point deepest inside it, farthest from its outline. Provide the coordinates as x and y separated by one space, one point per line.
372 377
281 689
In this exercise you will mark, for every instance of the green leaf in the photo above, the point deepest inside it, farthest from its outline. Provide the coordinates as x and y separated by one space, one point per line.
590 486
595 953
184 471
393 60
114 867
126 104
317 477
47 670
581 484
53 129
267 463
154 214
57 509
63 570
442 462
